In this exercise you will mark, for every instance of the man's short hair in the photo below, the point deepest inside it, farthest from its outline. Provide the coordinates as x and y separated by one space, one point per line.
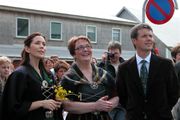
114 45
136 28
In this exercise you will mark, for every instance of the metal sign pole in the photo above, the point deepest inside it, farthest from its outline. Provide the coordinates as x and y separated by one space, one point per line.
176 4
143 11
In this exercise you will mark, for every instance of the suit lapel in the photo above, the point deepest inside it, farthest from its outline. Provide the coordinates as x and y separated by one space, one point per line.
153 70
154 65
135 75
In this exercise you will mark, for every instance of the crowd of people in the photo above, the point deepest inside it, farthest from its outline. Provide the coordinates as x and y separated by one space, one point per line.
144 87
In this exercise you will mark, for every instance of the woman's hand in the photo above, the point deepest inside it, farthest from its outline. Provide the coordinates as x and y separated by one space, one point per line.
51 104
103 104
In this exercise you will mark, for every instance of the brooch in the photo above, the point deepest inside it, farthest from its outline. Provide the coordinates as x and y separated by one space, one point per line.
94 85
44 84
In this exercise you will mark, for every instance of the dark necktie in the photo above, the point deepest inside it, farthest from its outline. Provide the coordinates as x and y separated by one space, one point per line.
144 75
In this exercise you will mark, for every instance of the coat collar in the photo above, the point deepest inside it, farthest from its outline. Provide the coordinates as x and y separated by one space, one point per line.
133 72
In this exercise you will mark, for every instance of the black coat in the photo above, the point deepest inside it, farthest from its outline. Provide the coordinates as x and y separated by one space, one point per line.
162 89
22 88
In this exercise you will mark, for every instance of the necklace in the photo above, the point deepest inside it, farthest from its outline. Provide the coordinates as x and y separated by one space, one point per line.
95 78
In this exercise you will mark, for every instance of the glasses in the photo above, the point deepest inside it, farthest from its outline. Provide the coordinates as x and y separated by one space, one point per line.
81 47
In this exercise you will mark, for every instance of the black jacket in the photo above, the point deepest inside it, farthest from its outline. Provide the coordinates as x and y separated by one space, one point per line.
162 89
22 88
108 67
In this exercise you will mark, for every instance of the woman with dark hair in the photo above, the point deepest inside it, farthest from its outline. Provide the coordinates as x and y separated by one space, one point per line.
28 93
94 85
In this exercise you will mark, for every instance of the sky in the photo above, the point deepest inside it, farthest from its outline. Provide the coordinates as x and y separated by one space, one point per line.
94 7
168 32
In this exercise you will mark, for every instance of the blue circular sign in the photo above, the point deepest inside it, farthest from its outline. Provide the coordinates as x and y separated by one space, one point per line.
159 11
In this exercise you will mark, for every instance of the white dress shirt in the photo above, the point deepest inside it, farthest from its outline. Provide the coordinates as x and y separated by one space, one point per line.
139 64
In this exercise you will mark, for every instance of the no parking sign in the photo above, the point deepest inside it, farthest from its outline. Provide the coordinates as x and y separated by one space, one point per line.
159 11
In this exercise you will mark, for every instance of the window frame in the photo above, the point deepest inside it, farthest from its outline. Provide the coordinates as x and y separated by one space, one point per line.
55 39
95 41
120 35
25 18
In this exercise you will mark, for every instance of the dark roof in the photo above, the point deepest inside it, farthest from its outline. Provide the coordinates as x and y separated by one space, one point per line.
133 17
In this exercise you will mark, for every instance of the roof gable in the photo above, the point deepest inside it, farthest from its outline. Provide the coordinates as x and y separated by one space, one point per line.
127 14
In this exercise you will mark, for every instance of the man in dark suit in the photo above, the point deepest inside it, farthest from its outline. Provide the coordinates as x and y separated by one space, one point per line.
148 95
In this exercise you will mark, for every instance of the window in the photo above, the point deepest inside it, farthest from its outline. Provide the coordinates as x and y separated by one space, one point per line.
22 27
116 34
91 33
56 31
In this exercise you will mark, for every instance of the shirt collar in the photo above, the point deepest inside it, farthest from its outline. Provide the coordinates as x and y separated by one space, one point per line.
139 59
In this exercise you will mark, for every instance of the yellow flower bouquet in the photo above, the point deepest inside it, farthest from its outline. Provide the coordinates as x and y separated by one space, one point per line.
61 93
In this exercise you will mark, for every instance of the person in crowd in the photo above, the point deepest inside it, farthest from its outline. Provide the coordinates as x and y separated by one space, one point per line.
155 50
176 56
102 63
147 84
55 58
93 85
176 111
15 63
49 64
28 93
60 68
175 53
113 58
5 71
94 60
110 63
